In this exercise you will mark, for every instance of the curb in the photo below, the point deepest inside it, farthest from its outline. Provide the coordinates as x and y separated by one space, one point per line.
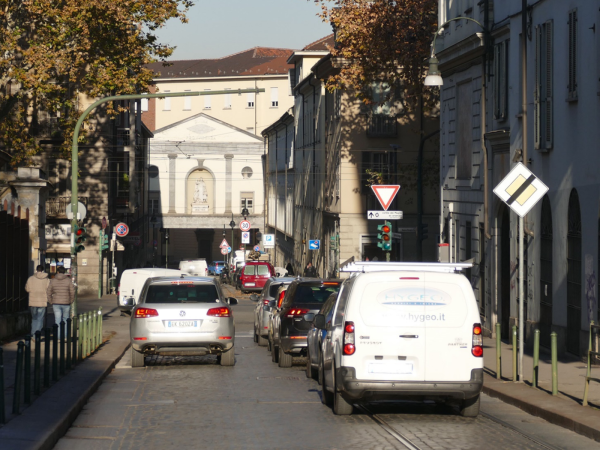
577 418
55 411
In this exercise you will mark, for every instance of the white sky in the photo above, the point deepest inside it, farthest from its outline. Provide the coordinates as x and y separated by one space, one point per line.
218 28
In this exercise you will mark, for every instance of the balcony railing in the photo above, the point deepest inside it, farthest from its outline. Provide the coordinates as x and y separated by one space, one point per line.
56 207
382 125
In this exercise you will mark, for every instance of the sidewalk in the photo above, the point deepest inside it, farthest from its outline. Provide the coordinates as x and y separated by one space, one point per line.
41 424
565 409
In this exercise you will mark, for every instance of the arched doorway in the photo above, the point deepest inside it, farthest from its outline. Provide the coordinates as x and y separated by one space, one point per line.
504 297
573 274
546 273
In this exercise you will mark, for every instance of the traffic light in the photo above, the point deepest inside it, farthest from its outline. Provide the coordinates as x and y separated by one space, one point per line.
423 231
104 242
80 238
385 236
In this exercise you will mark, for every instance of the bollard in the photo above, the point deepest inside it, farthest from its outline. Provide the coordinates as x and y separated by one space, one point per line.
2 413
46 357
74 339
93 331
554 351
27 371
100 327
80 338
68 361
37 363
84 338
54 352
514 350
498 352
536 358
62 347
18 378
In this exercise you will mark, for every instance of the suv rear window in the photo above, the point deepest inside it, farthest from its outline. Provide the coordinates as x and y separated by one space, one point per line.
182 293
273 290
314 294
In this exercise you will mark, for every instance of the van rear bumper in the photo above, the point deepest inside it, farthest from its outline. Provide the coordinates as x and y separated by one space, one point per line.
379 390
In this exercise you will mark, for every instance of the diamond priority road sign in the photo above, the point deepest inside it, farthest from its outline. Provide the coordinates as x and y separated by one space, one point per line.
385 193
520 189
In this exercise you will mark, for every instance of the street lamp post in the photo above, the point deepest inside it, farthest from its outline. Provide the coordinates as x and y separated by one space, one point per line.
232 225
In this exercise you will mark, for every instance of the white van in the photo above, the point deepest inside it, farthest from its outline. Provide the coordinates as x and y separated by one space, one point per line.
403 330
194 267
132 281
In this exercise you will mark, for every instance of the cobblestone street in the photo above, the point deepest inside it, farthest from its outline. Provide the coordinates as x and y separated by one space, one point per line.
192 402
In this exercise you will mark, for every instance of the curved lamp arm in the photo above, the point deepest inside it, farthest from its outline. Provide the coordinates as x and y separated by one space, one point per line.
442 26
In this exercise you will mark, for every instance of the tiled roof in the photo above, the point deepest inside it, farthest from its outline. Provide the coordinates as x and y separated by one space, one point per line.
323 44
254 61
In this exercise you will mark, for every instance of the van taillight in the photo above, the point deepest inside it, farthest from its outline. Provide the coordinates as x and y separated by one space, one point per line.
349 347
142 313
477 349
222 311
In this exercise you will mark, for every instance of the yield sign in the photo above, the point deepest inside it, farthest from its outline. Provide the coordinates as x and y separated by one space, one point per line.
224 244
385 193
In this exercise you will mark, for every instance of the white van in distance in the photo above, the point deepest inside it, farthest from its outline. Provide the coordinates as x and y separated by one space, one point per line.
403 331
194 267
131 284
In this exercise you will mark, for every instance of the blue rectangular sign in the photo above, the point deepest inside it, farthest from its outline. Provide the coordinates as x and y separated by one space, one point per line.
314 245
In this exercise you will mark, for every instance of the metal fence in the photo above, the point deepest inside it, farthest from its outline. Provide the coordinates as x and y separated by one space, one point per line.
15 250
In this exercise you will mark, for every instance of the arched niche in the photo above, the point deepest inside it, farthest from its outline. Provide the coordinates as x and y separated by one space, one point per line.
200 192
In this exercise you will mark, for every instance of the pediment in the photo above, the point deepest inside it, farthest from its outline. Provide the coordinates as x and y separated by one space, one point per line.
203 128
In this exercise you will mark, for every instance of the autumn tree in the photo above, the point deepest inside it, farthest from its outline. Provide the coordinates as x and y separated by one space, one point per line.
54 51
381 40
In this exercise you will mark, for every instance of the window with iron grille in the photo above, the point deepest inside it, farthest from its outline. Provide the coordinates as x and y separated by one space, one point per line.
572 86
464 132
543 93
501 80
247 201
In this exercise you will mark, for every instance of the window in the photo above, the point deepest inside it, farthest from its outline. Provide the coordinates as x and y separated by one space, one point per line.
227 101
572 86
251 96
207 99
187 102
152 206
247 201
167 102
464 130
274 97
143 104
501 80
543 92
191 293
247 172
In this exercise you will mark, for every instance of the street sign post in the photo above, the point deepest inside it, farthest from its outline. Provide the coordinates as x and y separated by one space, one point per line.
385 193
521 190
224 251
268 241
245 225
229 249
314 244
121 229
385 215
257 248
245 237
224 244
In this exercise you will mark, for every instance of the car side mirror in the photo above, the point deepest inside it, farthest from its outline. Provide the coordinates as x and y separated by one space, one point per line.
309 317
254 297
232 301
319 321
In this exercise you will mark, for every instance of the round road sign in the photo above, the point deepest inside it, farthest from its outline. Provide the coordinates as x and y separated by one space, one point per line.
224 251
245 225
257 248
121 229
229 249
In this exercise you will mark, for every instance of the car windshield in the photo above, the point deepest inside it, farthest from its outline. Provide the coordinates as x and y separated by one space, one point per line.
314 294
182 293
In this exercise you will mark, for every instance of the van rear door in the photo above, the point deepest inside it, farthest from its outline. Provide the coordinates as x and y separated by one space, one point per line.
390 332
450 313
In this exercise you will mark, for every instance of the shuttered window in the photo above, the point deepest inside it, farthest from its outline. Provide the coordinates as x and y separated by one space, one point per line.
227 101
251 99
187 102
572 86
274 97
167 103
207 100
543 93
464 132
501 80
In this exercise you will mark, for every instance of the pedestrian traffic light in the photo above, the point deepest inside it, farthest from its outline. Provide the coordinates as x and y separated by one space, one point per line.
80 238
423 231
385 236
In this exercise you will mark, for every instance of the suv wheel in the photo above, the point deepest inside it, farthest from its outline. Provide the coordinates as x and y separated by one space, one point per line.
326 396
310 371
228 358
274 353
285 359
340 406
137 358
262 342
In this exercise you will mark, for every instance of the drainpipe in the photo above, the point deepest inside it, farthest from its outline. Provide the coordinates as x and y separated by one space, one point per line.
524 96
314 164
486 182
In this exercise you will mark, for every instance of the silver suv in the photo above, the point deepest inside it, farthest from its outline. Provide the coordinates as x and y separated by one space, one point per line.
182 316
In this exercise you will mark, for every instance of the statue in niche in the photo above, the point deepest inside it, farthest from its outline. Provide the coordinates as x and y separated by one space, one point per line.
200 195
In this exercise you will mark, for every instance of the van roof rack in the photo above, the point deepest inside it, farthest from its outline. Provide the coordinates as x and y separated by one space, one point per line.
380 266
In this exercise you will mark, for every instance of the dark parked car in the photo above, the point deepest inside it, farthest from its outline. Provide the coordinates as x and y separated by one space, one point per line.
262 310
290 329
315 337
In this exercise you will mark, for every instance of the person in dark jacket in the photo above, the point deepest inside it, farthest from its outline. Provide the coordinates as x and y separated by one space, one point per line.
310 271
61 294
37 285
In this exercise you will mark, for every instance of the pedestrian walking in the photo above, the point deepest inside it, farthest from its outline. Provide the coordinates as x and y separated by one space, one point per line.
61 293
36 287
310 271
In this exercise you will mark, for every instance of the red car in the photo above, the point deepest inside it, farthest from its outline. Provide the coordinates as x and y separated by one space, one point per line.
254 275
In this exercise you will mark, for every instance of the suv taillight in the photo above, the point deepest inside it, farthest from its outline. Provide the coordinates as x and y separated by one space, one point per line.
294 312
142 313
222 311
349 347
477 349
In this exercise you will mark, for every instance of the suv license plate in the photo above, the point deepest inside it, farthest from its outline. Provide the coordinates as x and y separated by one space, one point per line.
182 324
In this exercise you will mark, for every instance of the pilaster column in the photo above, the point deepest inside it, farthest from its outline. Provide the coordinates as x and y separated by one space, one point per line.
228 182
172 174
